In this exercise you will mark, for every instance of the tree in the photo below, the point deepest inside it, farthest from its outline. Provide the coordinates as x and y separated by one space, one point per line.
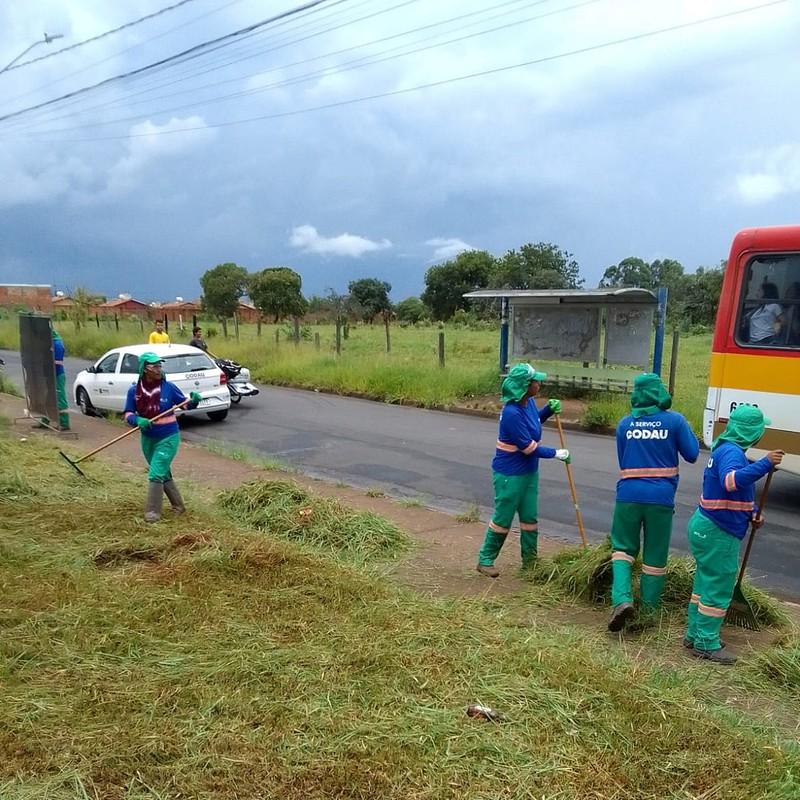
412 310
447 283
372 295
630 271
536 266
84 300
223 287
703 290
275 291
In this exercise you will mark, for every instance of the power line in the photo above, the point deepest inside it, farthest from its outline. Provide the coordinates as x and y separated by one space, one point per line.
346 66
99 36
445 81
196 49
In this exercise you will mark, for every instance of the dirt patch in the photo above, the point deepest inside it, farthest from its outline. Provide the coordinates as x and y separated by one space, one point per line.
117 556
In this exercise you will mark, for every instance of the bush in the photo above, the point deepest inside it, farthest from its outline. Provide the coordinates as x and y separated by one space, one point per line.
604 413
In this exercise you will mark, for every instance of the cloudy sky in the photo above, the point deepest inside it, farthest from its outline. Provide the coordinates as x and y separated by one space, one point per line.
659 146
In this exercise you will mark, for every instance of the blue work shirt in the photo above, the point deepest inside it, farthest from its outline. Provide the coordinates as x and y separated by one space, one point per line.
518 450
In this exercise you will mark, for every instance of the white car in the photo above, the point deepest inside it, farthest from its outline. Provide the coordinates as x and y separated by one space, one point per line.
104 385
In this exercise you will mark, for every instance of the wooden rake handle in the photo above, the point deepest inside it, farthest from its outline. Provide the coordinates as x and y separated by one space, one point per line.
130 432
571 480
762 502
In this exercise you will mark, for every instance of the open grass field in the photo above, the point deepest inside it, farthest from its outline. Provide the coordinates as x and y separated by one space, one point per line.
410 372
201 658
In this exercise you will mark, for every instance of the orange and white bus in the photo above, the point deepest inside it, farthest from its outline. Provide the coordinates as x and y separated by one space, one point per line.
755 354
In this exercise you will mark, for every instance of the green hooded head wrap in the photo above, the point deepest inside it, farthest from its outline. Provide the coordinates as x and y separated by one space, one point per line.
649 395
745 427
150 358
515 386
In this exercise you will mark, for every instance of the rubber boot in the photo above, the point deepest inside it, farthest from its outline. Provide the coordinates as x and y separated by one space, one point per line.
155 498
174 496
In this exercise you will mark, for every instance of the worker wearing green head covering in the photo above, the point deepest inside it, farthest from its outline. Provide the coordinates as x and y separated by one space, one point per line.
649 442
515 468
152 395
716 529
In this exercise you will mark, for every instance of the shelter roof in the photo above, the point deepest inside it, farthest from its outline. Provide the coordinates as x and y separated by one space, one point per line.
556 296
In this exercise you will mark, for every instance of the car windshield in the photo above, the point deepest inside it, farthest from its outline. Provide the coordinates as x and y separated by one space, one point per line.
189 362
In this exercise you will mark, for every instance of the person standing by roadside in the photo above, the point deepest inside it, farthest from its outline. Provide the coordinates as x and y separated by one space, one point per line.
150 396
197 339
159 335
719 524
515 467
59 351
649 442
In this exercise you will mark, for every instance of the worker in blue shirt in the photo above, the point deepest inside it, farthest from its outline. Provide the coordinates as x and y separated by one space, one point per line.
719 524
150 396
515 467
649 441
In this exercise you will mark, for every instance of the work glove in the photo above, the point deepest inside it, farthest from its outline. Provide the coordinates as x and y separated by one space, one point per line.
563 455
143 423
555 405
195 397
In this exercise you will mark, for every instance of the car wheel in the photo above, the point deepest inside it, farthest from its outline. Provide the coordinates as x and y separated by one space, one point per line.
82 398
236 398
218 416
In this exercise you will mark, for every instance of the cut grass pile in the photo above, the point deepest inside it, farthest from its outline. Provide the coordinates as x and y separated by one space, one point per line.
197 659
586 575
285 510
781 663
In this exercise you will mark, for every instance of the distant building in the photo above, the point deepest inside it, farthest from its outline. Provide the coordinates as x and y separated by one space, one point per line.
123 306
33 297
177 311
247 312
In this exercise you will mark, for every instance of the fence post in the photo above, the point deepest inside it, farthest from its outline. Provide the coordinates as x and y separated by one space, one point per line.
258 327
194 321
141 324
166 323
661 319
346 329
97 318
277 336
441 345
236 325
503 335
316 341
673 364
116 322
338 337
388 337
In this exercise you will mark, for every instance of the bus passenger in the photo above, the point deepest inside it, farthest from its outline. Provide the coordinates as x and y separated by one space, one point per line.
766 321
793 314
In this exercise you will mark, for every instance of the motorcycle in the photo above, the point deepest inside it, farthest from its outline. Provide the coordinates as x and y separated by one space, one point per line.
238 379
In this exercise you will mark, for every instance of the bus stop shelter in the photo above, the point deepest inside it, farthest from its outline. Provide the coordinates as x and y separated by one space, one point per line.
595 338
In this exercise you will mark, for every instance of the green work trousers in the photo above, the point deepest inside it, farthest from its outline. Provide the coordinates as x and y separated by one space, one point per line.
159 454
62 402
716 554
630 519
513 494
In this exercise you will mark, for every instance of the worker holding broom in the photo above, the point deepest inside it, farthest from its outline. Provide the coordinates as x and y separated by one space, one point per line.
649 441
152 395
719 524
515 466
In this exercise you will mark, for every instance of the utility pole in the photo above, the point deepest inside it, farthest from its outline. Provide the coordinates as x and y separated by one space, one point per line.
47 39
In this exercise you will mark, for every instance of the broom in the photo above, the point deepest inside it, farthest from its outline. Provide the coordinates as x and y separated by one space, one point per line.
740 612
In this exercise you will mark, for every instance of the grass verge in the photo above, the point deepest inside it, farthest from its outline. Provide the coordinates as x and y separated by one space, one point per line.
197 659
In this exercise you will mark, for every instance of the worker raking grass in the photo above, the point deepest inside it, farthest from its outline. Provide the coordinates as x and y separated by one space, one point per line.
719 524
649 441
515 467
150 396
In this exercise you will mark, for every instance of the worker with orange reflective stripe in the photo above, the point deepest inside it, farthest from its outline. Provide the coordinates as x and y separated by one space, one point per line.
515 467
649 443
719 525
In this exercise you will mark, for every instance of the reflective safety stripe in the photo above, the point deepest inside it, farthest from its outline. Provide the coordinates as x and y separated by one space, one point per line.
507 448
730 481
529 526
530 448
695 599
649 472
656 572
496 528
726 505
711 611
59 363
619 555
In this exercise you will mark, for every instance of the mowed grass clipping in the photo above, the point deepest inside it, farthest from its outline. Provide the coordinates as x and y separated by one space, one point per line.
585 574
197 659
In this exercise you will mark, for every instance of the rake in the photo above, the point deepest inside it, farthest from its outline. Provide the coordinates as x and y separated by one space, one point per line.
74 462
572 489
740 612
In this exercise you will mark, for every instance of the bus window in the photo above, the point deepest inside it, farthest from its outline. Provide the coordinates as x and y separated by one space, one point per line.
769 311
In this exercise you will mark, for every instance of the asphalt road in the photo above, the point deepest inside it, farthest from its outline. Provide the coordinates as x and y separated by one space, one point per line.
444 460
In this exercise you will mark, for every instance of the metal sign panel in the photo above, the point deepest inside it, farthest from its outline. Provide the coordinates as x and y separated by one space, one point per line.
555 333
628 329
38 366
